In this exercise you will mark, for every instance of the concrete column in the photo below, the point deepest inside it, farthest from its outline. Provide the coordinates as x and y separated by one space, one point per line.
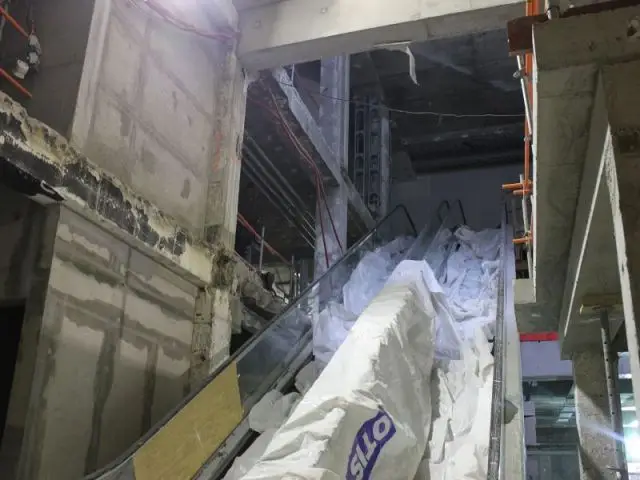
597 445
621 159
334 124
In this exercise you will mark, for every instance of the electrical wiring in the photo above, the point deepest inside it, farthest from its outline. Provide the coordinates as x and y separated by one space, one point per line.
278 116
272 196
406 112
310 162
169 17
321 193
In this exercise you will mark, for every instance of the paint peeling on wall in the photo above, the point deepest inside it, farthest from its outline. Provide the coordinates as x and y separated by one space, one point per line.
37 149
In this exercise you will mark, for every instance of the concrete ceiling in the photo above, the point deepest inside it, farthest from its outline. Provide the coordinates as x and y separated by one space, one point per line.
246 4
469 75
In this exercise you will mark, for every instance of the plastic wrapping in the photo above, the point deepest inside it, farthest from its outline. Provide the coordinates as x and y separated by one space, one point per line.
272 410
306 376
469 278
331 329
369 413
372 272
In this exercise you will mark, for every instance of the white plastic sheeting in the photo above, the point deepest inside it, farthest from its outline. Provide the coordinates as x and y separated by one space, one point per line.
371 274
265 417
329 331
470 278
369 413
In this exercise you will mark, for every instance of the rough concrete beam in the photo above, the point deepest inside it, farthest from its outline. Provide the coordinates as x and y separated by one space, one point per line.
591 269
568 53
603 38
338 174
36 149
301 30
623 178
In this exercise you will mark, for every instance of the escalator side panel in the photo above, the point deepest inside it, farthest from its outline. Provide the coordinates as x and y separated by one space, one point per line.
182 446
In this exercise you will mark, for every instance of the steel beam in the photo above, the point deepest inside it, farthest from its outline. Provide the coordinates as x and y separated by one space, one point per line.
295 31
510 129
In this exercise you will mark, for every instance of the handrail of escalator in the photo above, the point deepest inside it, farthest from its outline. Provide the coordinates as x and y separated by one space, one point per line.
447 204
246 347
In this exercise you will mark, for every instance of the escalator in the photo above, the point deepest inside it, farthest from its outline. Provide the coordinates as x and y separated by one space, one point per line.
201 437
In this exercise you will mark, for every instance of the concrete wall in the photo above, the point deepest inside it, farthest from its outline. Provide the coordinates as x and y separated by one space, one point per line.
26 240
146 110
19 238
112 353
479 190
62 27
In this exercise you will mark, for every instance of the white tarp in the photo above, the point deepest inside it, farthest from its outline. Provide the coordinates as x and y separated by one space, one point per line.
369 413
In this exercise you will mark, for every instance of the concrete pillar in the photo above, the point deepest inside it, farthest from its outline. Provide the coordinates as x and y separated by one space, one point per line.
597 444
622 169
334 124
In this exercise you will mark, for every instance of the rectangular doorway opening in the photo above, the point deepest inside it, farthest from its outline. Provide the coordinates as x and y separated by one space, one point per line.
11 320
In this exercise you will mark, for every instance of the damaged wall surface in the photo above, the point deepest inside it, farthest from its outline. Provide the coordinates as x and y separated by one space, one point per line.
112 354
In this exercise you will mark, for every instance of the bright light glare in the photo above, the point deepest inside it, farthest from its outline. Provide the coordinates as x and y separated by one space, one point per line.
632 443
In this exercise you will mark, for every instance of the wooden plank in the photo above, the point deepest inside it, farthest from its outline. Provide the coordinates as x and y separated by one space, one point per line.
184 444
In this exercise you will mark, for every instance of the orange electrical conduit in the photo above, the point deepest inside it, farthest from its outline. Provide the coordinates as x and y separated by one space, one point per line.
525 188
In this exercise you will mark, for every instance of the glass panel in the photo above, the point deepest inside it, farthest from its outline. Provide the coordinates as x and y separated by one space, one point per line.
267 356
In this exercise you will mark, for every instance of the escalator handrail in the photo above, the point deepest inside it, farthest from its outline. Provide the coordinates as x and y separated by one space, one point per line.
128 454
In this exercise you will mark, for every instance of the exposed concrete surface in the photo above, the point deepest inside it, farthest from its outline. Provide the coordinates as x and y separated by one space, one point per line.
622 171
149 119
569 53
63 31
333 121
25 276
113 352
597 447
295 31
19 239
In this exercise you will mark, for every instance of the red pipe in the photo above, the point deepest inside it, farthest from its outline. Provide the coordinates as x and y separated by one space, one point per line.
14 82
13 22
539 337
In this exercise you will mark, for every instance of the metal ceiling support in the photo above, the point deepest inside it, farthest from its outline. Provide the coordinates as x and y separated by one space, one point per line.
371 162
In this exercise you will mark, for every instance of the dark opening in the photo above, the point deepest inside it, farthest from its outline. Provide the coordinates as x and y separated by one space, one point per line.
11 319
